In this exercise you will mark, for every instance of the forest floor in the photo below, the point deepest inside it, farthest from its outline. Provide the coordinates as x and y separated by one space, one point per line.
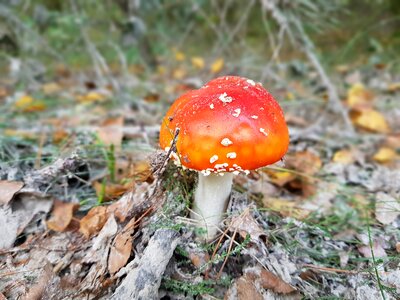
89 209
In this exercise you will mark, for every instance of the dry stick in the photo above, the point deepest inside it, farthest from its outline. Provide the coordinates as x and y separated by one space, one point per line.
308 48
334 270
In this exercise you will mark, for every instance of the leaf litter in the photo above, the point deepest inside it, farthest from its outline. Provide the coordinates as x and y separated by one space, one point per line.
293 231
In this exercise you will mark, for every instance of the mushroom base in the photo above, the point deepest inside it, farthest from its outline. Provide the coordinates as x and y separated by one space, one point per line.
210 202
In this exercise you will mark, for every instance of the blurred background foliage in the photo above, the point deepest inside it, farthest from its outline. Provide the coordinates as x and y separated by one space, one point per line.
118 34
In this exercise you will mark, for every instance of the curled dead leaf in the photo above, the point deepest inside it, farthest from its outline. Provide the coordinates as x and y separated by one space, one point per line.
8 189
121 248
245 225
94 221
61 215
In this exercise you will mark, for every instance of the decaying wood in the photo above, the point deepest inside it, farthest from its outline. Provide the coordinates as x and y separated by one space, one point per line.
144 281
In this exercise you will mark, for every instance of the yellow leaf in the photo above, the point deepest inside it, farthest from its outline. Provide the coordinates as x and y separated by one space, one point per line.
50 88
343 156
91 97
393 87
358 95
198 62
24 134
369 119
179 56
179 73
161 70
217 65
289 96
280 178
285 208
385 155
27 103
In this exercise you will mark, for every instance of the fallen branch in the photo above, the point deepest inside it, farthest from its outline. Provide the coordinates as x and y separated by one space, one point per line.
144 281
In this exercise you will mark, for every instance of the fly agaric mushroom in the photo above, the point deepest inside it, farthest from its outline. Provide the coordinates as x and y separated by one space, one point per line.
228 126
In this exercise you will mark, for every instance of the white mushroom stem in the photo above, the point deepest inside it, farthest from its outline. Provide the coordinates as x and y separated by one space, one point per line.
210 201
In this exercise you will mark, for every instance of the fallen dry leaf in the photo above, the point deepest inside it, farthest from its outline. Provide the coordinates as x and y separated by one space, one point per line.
111 191
344 156
365 250
358 95
271 281
370 120
179 73
385 155
61 215
198 62
243 289
180 56
393 87
141 170
8 190
217 65
21 133
51 88
278 177
121 248
245 225
111 131
91 97
199 258
304 162
285 208
94 221
27 103
387 208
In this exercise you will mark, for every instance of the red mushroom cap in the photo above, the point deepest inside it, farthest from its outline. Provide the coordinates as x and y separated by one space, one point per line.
230 124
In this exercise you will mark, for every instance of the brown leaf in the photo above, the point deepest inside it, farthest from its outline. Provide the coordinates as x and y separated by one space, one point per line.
61 215
199 259
245 289
246 225
8 190
304 162
121 248
111 131
111 191
94 221
273 282
141 170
